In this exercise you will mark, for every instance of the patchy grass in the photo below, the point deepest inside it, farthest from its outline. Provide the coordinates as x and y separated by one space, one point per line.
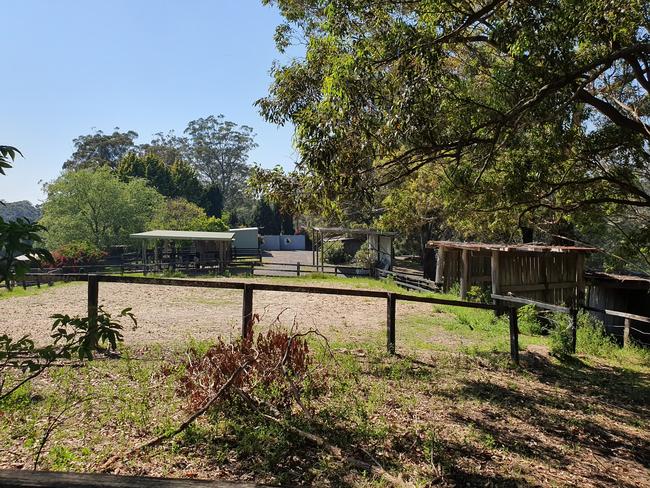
450 410
19 291
452 419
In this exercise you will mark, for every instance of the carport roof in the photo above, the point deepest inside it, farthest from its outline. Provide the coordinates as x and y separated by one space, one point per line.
184 235
344 230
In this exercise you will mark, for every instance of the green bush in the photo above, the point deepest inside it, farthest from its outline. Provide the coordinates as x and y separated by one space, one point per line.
528 319
334 253
561 335
365 257
77 254
479 294
592 338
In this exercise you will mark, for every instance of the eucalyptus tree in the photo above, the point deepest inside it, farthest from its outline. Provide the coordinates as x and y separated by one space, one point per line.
533 113
99 149
219 150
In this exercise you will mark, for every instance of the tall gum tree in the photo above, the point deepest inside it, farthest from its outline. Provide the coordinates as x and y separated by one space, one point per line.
534 109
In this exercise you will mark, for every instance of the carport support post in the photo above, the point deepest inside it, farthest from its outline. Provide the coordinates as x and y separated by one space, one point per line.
514 335
390 323
93 300
144 257
247 311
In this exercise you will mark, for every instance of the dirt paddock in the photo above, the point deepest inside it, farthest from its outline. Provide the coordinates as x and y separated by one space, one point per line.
168 314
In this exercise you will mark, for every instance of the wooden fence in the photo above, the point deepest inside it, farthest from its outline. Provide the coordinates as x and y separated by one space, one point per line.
513 303
629 318
249 288
47 479
410 281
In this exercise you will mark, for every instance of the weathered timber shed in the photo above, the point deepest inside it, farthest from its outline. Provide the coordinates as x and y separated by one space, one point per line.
380 243
186 248
620 293
551 274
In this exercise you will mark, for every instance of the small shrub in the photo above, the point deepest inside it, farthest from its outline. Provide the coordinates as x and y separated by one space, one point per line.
21 360
528 319
365 257
592 338
561 335
77 254
334 253
454 289
479 294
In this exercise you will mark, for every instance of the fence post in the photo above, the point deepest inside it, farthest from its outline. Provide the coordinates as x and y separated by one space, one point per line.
390 323
298 269
38 281
93 299
574 329
514 335
626 332
247 310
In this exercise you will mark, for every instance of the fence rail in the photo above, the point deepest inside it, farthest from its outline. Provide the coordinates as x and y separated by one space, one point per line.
410 281
249 288
627 323
512 303
47 479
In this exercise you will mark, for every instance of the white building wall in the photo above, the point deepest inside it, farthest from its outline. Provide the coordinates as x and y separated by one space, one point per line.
245 238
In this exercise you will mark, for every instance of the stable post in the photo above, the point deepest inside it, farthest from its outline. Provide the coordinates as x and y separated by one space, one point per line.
626 332
514 335
574 329
247 311
464 276
390 322
93 299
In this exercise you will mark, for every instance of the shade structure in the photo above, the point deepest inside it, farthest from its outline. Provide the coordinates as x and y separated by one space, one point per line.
184 235
211 249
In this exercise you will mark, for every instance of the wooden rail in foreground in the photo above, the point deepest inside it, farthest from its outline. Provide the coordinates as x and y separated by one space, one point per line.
47 479
248 288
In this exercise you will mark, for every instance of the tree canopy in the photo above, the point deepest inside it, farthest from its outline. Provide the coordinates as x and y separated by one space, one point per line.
179 214
98 149
534 114
96 207
219 151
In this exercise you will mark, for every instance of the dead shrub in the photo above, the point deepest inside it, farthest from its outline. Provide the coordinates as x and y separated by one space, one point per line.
278 370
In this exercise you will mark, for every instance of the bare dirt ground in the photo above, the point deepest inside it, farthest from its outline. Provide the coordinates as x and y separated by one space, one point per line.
169 315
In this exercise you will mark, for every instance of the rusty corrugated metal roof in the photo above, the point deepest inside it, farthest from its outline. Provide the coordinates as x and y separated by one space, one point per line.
480 246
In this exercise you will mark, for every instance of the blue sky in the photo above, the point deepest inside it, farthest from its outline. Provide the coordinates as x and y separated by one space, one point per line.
72 66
